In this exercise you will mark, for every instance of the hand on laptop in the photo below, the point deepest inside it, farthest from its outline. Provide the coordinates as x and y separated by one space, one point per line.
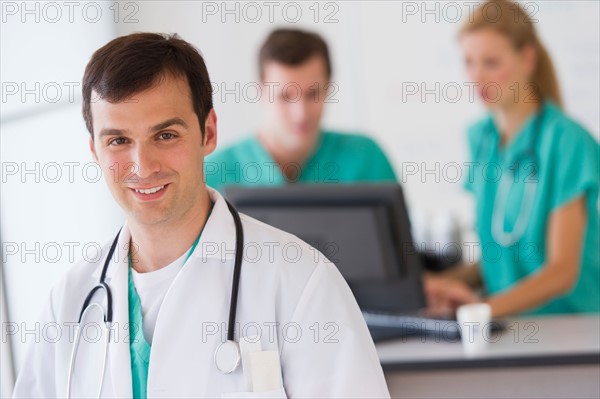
444 295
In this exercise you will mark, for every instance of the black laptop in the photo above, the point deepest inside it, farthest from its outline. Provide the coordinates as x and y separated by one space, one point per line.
365 230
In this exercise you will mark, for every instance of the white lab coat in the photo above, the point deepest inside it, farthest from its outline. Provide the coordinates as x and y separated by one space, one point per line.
289 293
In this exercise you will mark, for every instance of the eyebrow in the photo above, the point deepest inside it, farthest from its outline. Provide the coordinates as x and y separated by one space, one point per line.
111 132
155 128
167 123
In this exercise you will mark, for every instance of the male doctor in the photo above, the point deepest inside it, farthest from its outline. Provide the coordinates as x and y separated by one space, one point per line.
148 108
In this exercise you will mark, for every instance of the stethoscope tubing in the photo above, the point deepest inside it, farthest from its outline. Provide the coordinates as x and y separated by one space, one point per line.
108 316
501 236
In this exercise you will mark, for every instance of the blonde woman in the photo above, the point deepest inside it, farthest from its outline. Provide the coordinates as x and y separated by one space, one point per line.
535 183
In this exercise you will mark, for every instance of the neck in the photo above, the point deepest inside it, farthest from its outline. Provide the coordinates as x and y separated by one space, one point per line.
156 246
510 119
283 156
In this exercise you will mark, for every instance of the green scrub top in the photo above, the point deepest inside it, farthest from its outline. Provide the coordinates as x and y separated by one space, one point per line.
568 167
339 158
139 348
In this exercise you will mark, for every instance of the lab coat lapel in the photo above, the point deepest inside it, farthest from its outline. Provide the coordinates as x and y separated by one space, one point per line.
118 351
218 238
181 361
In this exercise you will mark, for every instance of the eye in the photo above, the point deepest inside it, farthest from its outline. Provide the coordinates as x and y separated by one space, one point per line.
491 62
166 136
313 95
117 141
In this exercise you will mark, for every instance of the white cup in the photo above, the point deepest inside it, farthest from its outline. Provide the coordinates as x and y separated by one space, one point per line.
474 320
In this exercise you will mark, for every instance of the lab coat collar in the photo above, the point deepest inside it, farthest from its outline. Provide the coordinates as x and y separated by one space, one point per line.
118 348
217 240
119 259
218 237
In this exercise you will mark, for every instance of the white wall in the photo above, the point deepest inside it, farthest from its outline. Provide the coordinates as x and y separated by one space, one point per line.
55 206
378 48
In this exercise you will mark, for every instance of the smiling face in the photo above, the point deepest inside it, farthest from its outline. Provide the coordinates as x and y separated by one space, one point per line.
294 113
501 73
151 151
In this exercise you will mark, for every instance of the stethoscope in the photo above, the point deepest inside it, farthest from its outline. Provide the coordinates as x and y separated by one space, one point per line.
499 233
227 355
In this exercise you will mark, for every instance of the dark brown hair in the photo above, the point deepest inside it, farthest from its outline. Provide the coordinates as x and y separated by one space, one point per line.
293 47
133 63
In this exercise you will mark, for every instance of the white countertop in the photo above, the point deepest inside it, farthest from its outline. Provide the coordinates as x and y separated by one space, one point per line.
571 339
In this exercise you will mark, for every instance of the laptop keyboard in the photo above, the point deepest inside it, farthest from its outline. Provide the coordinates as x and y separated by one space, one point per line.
387 325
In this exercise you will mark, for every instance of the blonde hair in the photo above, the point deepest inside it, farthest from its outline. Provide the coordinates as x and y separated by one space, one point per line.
509 19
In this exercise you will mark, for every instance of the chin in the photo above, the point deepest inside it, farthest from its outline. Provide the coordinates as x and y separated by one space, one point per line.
306 136
491 105
488 105
150 217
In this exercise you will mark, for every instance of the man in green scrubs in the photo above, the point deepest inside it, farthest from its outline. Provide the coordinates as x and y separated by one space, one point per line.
291 147
558 163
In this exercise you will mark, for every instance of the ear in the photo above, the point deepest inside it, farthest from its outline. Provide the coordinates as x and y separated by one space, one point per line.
210 132
93 149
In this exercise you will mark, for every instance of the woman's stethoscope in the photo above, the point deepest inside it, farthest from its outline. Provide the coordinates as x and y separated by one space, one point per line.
499 233
227 355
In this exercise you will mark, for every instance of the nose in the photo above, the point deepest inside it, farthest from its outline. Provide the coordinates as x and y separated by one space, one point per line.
299 110
475 73
145 161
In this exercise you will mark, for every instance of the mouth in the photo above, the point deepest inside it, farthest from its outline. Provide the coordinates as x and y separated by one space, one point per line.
150 193
302 128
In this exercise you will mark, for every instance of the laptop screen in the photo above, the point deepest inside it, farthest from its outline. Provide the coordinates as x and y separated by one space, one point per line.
363 229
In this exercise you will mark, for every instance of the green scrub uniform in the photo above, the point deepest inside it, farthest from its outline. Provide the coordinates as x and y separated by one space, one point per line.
566 158
339 158
139 348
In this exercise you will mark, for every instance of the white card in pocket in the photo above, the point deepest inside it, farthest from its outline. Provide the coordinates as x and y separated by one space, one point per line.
266 371
248 345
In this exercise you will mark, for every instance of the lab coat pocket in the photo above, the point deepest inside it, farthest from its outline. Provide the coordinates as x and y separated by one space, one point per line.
274 394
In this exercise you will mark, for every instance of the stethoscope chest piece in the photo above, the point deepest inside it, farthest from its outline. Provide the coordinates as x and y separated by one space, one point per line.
227 357
227 354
